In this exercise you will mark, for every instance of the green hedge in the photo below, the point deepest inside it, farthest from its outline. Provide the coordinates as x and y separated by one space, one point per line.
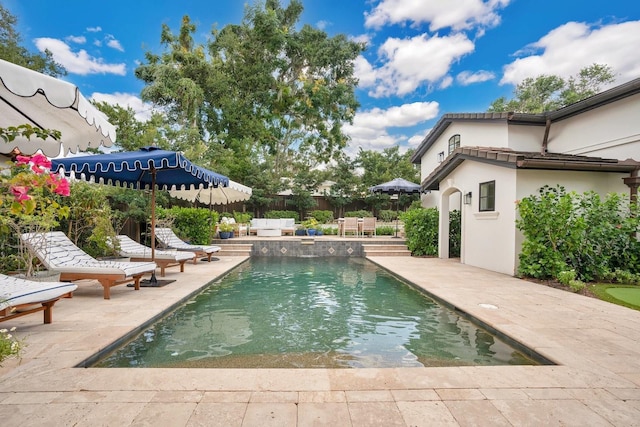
282 214
196 225
323 217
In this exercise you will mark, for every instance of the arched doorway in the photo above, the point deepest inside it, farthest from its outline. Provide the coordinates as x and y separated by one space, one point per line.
450 222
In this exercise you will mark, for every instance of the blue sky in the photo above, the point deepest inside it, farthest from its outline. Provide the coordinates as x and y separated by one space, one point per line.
424 58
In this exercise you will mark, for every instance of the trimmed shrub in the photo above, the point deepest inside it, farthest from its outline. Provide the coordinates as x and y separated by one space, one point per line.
196 225
282 214
421 231
387 215
323 217
358 214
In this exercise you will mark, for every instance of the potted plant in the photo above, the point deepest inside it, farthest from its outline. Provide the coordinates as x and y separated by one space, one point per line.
301 230
310 224
29 204
225 230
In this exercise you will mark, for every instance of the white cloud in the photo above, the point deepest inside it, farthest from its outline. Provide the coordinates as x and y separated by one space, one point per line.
94 29
567 49
370 128
322 25
77 39
113 43
458 15
78 62
142 109
412 62
466 78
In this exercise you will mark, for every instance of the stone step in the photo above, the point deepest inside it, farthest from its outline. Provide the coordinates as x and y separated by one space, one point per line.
386 250
235 249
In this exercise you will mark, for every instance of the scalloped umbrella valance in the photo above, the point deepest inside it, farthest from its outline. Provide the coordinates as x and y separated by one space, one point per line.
235 192
147 168
29 97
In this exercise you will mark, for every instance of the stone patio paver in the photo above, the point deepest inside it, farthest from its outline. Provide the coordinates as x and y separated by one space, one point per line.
596 381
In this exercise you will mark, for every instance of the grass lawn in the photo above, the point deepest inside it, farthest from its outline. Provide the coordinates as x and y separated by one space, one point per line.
625 295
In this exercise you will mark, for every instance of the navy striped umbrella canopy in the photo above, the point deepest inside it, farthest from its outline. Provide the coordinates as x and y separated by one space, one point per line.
169 170
147 168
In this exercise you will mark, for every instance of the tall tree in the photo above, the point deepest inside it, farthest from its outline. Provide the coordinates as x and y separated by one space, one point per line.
11 49
548 93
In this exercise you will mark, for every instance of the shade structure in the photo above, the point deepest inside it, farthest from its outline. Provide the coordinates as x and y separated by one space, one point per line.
29 97
147 168
235 192
396 186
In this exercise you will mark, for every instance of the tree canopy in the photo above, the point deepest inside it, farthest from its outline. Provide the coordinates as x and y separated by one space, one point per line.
548 93
11 49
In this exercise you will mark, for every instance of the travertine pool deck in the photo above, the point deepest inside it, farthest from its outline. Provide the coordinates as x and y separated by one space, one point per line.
596 381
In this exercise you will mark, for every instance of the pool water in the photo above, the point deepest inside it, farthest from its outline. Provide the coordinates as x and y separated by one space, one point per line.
287 312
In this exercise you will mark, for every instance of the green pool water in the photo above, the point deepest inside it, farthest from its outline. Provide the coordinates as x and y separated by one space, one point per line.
312 313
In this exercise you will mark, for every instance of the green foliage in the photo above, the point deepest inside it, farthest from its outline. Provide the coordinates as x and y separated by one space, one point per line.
566 276
576 285
11 49
328 231
548 93
385 230
421 231
386 215
323 217
242 217
282 214
197 225
310 223
358 214
10 346
567 231
455 233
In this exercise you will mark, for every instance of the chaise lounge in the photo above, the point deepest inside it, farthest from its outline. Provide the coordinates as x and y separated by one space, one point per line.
19 297
138 252
168 239
58 253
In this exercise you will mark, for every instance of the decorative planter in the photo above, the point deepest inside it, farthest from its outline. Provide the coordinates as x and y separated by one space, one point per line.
311 232
301 232
225 234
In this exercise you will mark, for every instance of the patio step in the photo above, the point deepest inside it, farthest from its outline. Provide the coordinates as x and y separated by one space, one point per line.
386 250
234 249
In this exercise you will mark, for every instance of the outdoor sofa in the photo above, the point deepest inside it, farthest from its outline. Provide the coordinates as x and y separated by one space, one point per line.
59 254
283 225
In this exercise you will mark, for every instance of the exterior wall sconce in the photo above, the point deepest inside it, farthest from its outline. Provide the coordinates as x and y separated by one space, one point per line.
467 198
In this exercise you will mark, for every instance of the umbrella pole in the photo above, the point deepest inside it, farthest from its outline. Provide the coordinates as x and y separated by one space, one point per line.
153 279
397 211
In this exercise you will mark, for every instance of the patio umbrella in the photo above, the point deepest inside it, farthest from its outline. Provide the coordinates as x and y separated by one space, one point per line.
397 187
28 97
235 192
149 167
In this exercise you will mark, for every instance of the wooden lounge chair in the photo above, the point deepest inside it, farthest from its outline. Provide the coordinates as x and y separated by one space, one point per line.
19 297
58 253
139 252
168 239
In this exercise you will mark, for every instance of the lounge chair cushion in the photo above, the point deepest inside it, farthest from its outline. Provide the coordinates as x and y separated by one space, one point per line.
133 249
168 238
58 253
16 291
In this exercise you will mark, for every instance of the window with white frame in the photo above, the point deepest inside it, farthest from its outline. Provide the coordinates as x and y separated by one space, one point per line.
487 196
441 157
454 142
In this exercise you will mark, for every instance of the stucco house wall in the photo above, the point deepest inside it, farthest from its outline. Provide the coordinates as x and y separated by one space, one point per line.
610 131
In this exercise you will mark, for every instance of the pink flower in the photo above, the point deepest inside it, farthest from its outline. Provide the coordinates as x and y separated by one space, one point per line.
23 160
41 160
59 185
20 193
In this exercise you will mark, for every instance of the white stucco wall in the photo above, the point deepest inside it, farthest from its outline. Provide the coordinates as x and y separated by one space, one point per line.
487 236
610 131
526 138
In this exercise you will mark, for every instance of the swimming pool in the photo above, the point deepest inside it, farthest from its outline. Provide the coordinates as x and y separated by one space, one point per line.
312 313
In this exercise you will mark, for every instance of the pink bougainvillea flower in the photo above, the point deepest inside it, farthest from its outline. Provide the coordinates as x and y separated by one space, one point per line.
41 161
20 192
59 185
23 160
